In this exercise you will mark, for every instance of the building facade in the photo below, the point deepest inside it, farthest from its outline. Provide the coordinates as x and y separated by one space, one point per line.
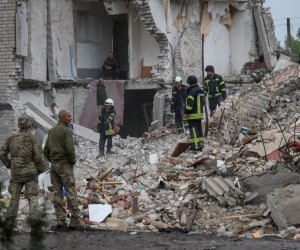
49 47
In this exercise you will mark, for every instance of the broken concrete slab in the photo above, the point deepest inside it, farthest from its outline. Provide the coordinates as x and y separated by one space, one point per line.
219 186
98 212
284 204
181 147
45 123
265 184
153 126
273 140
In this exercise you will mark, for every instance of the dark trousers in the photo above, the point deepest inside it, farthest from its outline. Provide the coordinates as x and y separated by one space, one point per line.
196 134
179 118
102 141
112 74
213 102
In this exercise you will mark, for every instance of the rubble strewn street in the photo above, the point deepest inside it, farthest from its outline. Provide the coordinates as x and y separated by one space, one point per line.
247 187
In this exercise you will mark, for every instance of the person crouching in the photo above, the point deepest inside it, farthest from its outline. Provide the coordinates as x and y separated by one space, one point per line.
106 126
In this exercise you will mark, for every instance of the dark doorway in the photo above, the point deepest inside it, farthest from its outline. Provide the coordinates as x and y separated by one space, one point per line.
137 112
120 43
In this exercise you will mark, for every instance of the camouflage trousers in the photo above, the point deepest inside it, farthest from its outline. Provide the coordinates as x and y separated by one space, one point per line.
62 175
15 189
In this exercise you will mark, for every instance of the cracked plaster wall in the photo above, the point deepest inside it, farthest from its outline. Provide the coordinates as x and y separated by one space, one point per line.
227 47
35 64
62 40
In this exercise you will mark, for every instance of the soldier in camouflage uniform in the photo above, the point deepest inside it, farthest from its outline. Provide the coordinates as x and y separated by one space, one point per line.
59 150
26 162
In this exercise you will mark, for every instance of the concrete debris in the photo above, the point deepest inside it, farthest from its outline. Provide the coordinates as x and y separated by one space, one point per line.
284 205
98 212
156 183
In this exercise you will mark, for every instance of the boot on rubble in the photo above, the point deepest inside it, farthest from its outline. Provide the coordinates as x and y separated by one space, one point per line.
77 224
109 151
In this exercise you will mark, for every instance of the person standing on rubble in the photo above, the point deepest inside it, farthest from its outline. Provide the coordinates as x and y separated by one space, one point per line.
194 112
60 151
215 88
106 126
26 162
178 102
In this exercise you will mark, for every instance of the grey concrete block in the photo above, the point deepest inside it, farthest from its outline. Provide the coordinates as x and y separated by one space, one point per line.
284 204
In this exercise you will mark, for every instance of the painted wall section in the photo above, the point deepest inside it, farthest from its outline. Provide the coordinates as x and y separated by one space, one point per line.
241 37
91 54
35 64
134 47
62 40
149 47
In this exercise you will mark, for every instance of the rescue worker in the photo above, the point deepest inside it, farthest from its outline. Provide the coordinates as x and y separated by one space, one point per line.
26 162
194 112
178 102
110 67
60 151
106 126
215 88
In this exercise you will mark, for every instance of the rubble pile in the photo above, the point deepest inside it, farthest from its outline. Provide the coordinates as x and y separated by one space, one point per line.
245 182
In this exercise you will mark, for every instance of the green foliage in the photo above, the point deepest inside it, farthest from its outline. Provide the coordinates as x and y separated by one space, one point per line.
295 46
298 34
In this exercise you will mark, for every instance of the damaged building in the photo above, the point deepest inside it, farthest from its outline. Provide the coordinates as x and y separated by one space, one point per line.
244 183
51 50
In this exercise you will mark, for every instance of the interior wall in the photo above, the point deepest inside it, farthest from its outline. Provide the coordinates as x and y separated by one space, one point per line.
135 123
35 64
61 41
134 44
217 48
149 47
241 36
91 54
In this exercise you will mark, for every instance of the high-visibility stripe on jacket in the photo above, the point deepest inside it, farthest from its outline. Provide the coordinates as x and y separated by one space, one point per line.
108 116
194 103
214 86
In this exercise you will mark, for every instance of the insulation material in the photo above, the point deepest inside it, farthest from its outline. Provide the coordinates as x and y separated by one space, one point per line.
226 19
218 9
205 21
239 6
180 22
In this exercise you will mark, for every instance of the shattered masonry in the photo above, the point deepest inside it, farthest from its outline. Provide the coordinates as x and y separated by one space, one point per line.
244 183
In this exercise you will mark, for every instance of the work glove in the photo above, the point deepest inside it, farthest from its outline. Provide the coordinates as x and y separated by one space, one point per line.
224 96
172 108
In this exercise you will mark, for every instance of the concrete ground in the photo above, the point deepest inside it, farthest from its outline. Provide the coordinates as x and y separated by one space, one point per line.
161 241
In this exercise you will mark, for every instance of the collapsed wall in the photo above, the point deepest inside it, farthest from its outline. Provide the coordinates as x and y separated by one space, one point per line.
274 100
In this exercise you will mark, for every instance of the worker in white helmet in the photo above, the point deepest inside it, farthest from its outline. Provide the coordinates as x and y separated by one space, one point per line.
178 102
106 126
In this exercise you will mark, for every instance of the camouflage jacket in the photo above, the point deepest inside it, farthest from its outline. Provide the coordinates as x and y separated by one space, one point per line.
59 147
26 158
